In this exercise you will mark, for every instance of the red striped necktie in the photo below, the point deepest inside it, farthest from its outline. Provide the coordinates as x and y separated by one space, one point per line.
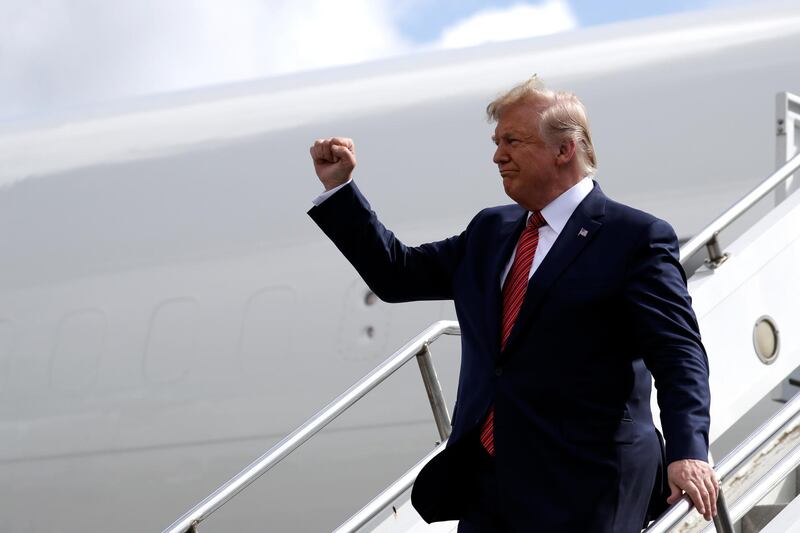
513 295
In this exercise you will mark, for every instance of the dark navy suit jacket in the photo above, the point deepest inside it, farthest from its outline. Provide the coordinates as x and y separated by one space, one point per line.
576 449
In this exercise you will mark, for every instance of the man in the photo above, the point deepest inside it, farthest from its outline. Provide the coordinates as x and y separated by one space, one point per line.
567 302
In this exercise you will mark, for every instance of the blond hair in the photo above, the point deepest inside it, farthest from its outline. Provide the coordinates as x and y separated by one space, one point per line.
564 117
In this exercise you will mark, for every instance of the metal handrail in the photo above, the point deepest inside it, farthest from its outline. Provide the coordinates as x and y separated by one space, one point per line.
708 236
390 494
680 510
417 347
766 483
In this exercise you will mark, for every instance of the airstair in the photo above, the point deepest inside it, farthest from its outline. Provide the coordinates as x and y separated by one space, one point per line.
745 295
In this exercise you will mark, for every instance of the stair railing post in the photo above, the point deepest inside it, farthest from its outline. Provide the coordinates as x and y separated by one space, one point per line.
787 115
723 522
434 390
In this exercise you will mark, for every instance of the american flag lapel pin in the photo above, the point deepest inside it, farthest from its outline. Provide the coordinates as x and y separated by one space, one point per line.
583 232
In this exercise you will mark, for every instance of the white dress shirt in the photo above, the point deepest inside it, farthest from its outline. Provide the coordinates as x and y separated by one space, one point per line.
327 194
556 214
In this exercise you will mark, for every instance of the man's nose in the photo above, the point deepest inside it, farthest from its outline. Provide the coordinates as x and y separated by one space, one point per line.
500 155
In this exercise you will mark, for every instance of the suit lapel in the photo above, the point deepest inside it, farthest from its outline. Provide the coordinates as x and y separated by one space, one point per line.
578 232
508 235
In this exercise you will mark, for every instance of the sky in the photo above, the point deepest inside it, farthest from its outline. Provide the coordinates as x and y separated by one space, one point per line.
62 55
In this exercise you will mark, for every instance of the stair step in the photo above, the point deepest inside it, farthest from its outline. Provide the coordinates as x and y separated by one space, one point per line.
759 516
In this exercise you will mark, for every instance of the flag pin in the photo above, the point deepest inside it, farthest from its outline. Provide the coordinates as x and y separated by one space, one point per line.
583 232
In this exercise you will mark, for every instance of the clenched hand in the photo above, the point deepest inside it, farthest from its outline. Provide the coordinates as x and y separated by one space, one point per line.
334 160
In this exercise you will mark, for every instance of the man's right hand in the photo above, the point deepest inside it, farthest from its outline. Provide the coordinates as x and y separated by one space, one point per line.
334 160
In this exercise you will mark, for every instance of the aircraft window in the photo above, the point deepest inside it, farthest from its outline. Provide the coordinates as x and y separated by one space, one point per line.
171 339
78 350
267 330
5 352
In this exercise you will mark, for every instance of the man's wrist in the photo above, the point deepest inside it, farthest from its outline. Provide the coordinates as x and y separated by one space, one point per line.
335 184
329 192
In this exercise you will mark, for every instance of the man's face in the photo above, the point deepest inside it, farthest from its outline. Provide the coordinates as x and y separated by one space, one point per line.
526 163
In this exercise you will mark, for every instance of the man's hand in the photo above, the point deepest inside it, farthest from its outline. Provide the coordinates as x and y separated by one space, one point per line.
698 480
334 160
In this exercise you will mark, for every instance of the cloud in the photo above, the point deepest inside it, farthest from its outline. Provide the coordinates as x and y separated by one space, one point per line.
57 54
518 22
62 53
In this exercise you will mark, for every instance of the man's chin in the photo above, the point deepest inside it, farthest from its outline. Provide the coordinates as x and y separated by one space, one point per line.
508 188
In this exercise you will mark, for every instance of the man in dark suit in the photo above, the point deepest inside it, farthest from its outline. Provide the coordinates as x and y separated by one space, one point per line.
568 302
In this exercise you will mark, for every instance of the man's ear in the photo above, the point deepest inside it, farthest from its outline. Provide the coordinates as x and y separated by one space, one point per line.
566 151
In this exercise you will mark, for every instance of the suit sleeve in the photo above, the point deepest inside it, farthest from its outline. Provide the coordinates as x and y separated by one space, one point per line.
667 336
394 271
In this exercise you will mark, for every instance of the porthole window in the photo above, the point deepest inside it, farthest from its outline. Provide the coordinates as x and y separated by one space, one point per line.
766 339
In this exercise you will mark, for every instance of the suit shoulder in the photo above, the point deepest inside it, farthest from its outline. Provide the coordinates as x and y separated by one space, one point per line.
490 220
498 213
632 220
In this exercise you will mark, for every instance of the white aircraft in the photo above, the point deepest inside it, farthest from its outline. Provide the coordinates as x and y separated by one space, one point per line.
168 312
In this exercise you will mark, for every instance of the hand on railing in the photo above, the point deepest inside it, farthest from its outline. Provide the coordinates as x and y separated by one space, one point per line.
698 480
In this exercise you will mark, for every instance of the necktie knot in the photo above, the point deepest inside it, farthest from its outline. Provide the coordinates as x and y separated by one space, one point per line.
537 220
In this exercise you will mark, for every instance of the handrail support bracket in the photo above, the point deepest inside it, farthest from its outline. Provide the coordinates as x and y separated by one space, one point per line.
715 254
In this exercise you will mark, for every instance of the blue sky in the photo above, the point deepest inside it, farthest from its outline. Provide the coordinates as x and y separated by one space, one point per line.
425 22
61 55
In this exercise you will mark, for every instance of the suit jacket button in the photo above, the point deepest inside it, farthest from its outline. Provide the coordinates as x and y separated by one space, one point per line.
498 371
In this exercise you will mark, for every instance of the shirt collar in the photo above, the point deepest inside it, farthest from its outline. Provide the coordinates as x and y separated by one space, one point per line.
557 212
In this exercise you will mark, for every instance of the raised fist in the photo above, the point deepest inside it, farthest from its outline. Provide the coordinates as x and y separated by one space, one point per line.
334 160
